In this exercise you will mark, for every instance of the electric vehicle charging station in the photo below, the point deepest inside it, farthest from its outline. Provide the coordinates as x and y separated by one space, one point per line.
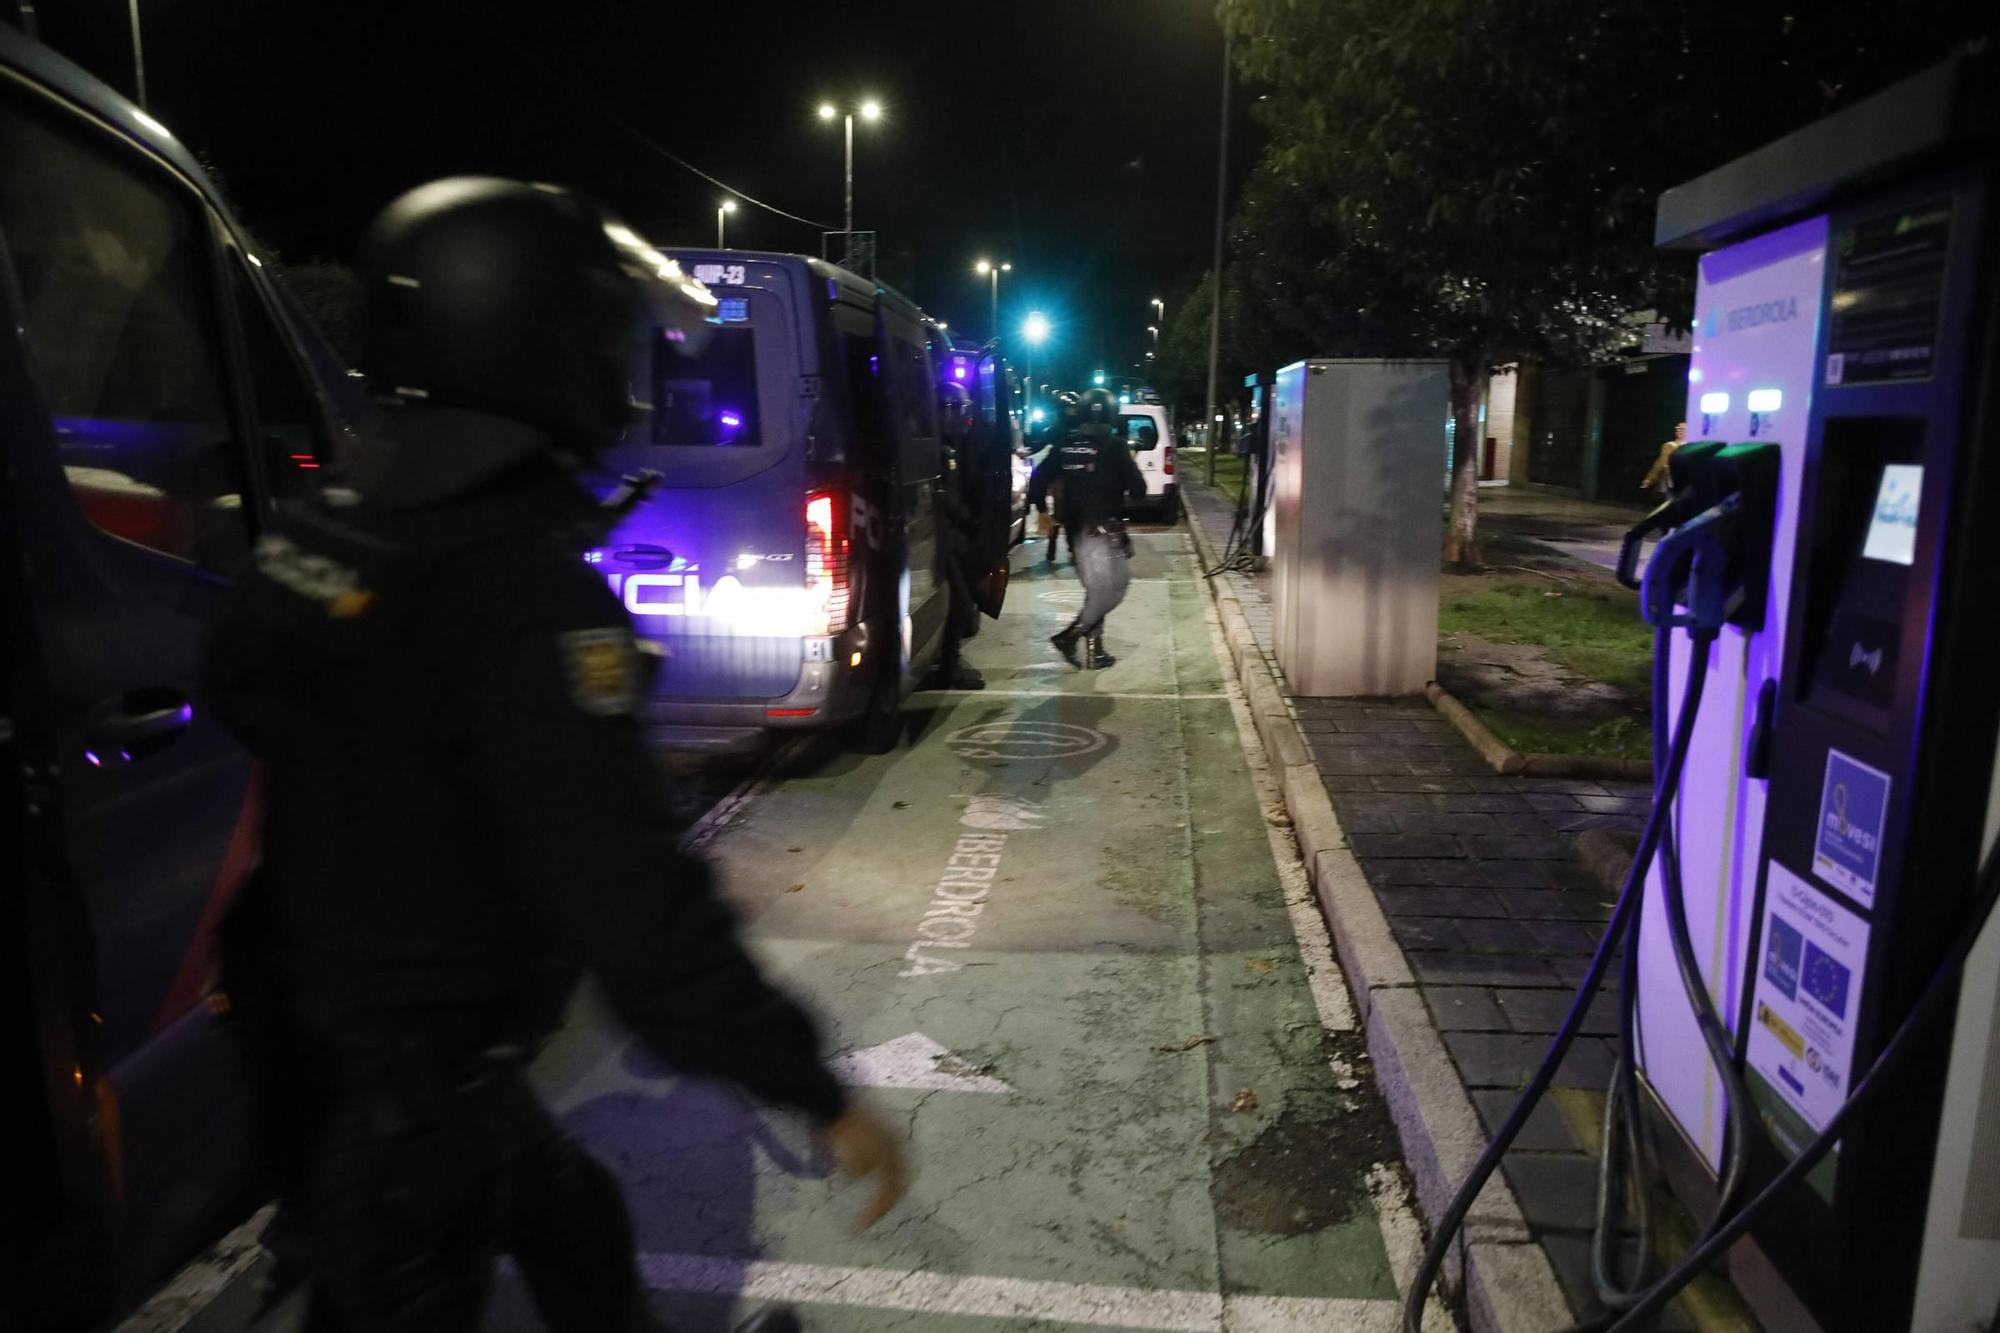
1810 1011
1840 787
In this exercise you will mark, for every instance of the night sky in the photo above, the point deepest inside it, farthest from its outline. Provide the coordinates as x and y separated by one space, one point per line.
1074 138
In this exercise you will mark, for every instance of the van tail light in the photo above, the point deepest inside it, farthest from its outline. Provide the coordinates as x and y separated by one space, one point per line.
827 583
1168 460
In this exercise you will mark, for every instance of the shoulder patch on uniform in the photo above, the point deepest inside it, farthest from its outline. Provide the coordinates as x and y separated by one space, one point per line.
601 669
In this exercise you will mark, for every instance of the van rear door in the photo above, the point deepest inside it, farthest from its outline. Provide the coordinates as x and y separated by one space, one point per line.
712 566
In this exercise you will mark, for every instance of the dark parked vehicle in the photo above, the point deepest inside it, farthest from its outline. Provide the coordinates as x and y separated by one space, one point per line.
158 396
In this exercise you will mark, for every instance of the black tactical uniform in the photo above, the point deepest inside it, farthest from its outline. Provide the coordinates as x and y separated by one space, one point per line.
1045 483
461 815
1096 473
961 502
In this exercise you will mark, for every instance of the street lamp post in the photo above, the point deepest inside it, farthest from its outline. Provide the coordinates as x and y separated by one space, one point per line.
1221 202
722 210
138 56
992 270
1159 310
1034 332
871 110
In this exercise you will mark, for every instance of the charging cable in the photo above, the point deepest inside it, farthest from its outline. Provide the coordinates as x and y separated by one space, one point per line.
1622 913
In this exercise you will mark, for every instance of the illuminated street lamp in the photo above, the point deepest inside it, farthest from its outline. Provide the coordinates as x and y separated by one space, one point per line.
1159 310
988 268
722 210
1034 331
871 110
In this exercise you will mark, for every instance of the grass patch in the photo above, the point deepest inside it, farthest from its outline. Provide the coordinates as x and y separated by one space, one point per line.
1616 738
1595 632
1229 469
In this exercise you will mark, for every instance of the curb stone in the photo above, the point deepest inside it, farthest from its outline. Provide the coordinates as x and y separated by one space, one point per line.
1506 1278
1510 762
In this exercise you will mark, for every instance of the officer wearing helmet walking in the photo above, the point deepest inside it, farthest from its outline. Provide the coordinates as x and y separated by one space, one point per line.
460 813
1045 483
1094 473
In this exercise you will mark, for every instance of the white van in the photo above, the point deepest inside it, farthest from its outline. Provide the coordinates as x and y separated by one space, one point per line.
1151 440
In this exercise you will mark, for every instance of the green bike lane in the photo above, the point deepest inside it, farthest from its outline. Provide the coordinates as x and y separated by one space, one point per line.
1055 936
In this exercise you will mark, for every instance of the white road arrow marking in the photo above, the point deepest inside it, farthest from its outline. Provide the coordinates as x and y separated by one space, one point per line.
914 1061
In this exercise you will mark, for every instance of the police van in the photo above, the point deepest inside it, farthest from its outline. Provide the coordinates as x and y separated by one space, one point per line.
789 568
158 396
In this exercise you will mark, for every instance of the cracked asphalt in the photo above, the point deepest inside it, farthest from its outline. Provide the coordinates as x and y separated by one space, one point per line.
1067 883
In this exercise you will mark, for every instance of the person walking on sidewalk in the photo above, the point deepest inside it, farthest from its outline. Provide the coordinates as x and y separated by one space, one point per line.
1097 473
1660 475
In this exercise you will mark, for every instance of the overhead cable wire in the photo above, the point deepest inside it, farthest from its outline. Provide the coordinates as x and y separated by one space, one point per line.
622 123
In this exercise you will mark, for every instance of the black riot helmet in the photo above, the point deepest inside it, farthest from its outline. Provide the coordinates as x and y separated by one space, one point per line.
956 411
1100 408
1069 408
519 301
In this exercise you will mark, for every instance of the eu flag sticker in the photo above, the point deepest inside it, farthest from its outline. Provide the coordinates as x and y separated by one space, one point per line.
1824 978
1853 807
1782 956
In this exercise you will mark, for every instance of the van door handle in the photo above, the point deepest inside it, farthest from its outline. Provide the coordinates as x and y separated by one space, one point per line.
645 556
140 724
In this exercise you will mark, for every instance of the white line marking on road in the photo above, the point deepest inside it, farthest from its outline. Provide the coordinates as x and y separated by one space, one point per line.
1403 1238
1084 694
1013 1298
1402 1234
1323 974
912 1061
197 1286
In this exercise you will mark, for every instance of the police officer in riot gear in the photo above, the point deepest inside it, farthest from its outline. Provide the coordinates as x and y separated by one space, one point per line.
1045 483
961 496
1095 472
460 813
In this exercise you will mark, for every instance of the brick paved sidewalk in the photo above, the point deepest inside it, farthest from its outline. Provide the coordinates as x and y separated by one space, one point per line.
1495 916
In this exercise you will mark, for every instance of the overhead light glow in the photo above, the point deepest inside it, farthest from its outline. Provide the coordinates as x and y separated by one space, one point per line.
1714 404
1035 328
982 268
871 110
827 111
1766 400
729 205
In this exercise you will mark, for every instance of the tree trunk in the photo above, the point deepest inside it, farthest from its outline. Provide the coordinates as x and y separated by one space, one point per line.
1461 548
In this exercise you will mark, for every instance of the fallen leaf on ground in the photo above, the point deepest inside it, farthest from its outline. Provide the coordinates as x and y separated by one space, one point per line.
796 888
1246 1100
1275 814
1188 1045
901 805
1259 964
794 849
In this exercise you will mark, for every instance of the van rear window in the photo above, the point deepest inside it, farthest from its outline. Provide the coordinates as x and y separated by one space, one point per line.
709 399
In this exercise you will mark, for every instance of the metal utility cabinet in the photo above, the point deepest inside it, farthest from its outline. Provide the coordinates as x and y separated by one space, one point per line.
1358 451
